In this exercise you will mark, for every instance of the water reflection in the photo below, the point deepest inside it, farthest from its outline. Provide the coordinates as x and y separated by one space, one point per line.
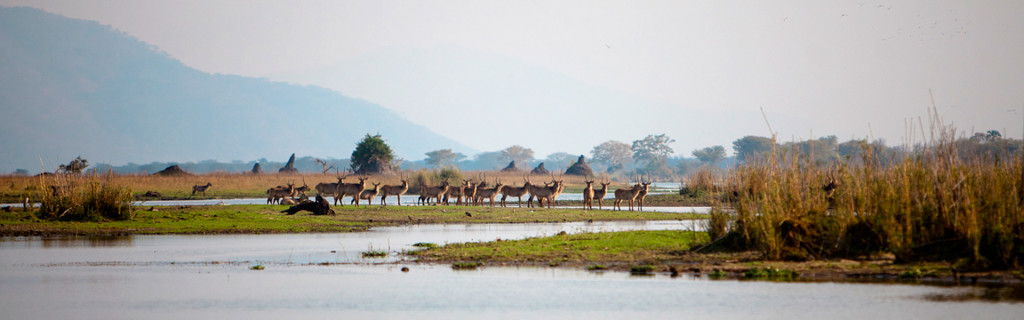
983 294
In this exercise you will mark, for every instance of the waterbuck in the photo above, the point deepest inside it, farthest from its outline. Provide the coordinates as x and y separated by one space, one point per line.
427 193
488 193
644 187
352 189
599 194
201 189
588 195
626 195
367 195
518 192
278 193
398 191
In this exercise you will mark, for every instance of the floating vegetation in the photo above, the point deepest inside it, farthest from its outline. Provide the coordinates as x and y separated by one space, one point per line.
770 274
374 254
466 265
257 267
424 245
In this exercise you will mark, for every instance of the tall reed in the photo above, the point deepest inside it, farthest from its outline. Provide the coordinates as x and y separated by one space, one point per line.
70 197
931 203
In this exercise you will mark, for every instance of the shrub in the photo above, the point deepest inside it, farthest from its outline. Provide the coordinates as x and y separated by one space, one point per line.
73 198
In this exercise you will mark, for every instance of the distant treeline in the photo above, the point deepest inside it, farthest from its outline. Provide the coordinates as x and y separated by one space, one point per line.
823 151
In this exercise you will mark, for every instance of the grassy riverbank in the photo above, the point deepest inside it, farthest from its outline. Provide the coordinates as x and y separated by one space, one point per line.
679 252
269 219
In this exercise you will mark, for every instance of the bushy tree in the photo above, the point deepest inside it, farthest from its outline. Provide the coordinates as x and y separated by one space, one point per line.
613 154
75 166
443 158
710 155
516 153
751 147
654 152
372 155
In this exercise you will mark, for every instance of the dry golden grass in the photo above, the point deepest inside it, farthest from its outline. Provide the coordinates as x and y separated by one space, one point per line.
233 185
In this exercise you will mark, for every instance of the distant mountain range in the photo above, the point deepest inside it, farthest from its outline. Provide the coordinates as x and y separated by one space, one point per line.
71 87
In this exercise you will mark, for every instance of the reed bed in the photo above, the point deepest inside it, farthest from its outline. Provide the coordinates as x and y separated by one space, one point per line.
84 198
932 203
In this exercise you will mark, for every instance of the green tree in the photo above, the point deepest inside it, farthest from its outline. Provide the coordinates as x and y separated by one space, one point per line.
443 158
372 155
75 166
654 152
710 155
517 153
613 154
750 147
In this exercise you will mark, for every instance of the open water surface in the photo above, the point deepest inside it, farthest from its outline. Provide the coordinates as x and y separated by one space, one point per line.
325 276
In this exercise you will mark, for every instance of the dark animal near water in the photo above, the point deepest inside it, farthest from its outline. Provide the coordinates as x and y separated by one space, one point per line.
318 207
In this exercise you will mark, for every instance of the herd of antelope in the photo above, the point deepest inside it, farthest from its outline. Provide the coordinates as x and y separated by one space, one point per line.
465 193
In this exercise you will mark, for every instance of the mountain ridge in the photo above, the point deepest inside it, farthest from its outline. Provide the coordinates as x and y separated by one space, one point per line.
73 87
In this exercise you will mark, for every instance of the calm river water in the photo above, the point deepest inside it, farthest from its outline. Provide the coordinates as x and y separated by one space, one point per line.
325 276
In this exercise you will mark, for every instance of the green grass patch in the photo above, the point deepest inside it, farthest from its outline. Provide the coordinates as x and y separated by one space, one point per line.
770 274
269 219
597 267
466 265
641 269
424 245
628 246
375 254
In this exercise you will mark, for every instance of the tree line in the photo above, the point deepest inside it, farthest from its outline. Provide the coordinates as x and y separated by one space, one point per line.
651 155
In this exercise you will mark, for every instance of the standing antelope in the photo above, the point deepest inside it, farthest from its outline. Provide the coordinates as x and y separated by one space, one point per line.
542 192
367 195
453 192
488 193
588 195
468 192
352 189
328 188
278 193
428 193
202 189
645 187
626 194
599 194
510 191
397 191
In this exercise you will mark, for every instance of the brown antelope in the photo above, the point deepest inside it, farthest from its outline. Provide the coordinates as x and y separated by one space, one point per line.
328 187
644 188
468 192
436 193
518 192
397 191
300 192
588 195
542 192
626 195
488 193
599 194
201 189
278 193
352 189
367 195
453 192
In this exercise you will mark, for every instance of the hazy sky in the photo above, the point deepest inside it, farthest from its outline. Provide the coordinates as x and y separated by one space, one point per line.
859 69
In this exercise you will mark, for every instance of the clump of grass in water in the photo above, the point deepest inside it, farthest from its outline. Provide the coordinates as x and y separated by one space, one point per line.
257 267
466 265
595 267
770 273
424 245
374 254
73 197
641 269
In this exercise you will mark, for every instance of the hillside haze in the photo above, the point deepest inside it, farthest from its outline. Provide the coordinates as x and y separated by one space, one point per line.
72 87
